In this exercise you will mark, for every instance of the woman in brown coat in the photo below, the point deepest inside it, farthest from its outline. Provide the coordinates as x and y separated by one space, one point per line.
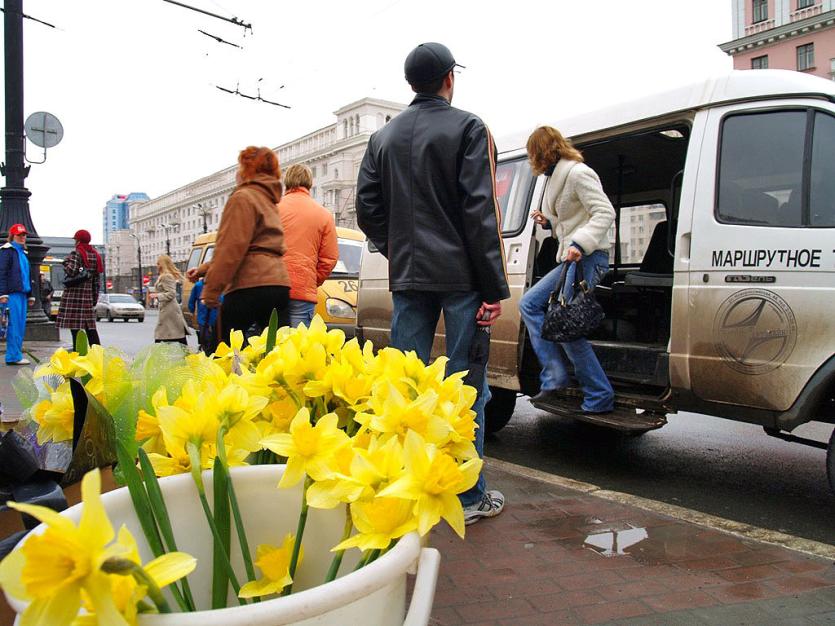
77 310
171 326
247 266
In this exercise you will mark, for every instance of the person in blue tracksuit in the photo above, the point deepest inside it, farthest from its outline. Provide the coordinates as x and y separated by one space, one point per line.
15 291
206 319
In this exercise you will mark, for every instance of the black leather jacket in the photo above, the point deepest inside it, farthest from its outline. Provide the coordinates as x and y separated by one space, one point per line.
426 198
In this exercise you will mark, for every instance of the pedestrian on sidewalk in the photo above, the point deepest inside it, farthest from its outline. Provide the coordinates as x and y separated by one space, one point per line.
248 265
579 214
171 325
310 240
15 291
77 310
46 295
426 199
206 318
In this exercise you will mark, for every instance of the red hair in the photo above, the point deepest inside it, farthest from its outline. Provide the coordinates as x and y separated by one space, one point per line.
254 161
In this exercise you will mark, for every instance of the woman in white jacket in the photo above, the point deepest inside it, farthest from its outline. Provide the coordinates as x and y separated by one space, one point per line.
580 215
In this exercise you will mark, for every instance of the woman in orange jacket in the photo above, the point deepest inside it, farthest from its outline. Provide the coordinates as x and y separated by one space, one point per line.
311 250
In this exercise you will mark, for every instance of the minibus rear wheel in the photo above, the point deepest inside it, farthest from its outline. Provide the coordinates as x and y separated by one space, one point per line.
499 410
830 461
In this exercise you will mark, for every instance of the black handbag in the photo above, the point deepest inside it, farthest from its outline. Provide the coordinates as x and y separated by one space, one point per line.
83 275
570 320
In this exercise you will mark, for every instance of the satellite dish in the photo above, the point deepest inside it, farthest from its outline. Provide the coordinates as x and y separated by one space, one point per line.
43 129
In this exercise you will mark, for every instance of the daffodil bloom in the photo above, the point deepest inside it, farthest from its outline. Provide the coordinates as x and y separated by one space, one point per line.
61 362
392 412
53 568
433 480
127 592
234 410
379 522
274 563
55 416
147 425
92 365
309 449
228 356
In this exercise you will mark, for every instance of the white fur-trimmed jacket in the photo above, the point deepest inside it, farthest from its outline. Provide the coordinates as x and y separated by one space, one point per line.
577 208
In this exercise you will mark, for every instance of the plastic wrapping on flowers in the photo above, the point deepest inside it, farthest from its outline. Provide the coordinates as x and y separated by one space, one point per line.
385 437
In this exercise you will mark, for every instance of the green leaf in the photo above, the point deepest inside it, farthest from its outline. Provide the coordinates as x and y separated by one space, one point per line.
271 331
82 344
220 581
139 496
160 512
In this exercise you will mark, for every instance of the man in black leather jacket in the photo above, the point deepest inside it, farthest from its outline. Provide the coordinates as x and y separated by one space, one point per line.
426 199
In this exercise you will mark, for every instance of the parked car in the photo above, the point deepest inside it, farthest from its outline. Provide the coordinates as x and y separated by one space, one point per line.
123 305
55 303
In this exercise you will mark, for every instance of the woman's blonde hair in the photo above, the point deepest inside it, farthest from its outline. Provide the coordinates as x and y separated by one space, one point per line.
166 263
298 175
546 146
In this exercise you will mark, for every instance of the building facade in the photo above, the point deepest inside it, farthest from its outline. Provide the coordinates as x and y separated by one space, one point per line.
784 34
116 213
173 220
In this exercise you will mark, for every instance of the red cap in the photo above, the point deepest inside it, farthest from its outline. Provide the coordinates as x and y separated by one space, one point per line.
18 229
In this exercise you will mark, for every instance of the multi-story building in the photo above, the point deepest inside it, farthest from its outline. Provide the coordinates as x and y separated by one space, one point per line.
170 222
784 34
116 213
121 258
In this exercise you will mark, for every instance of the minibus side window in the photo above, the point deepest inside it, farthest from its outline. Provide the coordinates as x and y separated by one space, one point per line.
513 192
761 169
210 252
194 258
822 179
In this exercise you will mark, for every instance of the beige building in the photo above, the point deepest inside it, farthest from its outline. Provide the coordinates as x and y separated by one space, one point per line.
173 220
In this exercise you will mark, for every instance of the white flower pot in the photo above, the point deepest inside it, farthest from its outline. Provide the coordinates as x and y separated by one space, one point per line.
374 595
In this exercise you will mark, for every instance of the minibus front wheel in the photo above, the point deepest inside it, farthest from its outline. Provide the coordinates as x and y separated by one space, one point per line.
499 410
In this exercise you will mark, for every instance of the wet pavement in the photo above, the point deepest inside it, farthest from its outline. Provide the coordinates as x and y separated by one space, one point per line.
560 556
716 466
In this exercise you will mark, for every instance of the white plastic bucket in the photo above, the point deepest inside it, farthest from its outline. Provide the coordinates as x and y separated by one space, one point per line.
374 595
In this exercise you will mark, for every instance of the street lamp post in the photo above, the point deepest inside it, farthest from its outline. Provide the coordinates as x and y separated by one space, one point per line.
139 262
14 197
165 227
204 213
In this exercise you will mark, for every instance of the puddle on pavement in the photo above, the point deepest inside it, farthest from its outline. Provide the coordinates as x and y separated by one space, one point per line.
611 542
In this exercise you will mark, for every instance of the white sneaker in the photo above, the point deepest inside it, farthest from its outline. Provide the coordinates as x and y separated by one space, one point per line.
492 503
21 362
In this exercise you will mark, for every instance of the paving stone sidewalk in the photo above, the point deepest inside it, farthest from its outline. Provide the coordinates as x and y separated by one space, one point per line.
558 556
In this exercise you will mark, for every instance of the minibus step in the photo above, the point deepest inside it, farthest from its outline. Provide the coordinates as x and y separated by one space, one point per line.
624 418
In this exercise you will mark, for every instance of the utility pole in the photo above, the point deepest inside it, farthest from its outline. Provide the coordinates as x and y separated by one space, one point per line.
139 262
14 197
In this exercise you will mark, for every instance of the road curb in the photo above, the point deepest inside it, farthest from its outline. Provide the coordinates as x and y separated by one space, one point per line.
738 529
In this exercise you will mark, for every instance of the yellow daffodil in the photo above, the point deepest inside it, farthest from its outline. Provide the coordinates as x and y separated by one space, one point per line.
379 521
392 412
234 409
147 425
61 362
309 449
92 365
55 416
433 480
53 568
274 563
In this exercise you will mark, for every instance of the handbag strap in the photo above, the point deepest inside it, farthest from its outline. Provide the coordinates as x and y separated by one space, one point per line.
578 283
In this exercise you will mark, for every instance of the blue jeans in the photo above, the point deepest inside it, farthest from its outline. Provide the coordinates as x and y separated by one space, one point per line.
301 312
597 390
18 305
414 320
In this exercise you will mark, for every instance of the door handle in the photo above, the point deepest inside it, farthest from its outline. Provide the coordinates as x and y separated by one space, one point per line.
684 247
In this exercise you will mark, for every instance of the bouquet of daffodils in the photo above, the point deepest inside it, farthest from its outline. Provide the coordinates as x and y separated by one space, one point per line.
381 435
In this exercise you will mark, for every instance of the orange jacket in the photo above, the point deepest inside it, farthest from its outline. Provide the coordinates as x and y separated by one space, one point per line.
310 241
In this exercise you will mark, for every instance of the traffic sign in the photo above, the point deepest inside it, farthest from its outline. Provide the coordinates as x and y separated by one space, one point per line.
109 284
146 280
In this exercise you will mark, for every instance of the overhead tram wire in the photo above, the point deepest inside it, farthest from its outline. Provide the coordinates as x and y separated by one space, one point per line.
234 20
219 39
34 19
258 98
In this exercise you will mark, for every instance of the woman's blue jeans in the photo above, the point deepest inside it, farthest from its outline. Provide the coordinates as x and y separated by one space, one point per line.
597 390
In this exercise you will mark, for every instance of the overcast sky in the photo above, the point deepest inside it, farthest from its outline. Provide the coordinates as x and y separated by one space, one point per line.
133 82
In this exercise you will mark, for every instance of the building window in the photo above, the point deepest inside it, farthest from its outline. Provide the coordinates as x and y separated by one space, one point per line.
324 169
805 57
760 10
805 4
759 63
832 68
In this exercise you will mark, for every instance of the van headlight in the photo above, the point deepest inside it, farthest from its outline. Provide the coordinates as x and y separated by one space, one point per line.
339 308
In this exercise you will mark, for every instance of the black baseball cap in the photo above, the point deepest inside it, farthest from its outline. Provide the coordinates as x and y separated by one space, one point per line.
428 62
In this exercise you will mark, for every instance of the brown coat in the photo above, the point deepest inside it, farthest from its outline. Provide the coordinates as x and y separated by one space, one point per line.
171 324
250 241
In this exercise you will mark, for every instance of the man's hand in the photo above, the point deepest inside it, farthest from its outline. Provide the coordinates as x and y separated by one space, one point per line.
212 304
539 218
488 313
573 254
191 274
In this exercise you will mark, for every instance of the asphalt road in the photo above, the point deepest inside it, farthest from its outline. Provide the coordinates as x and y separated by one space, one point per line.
130 336
715 466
